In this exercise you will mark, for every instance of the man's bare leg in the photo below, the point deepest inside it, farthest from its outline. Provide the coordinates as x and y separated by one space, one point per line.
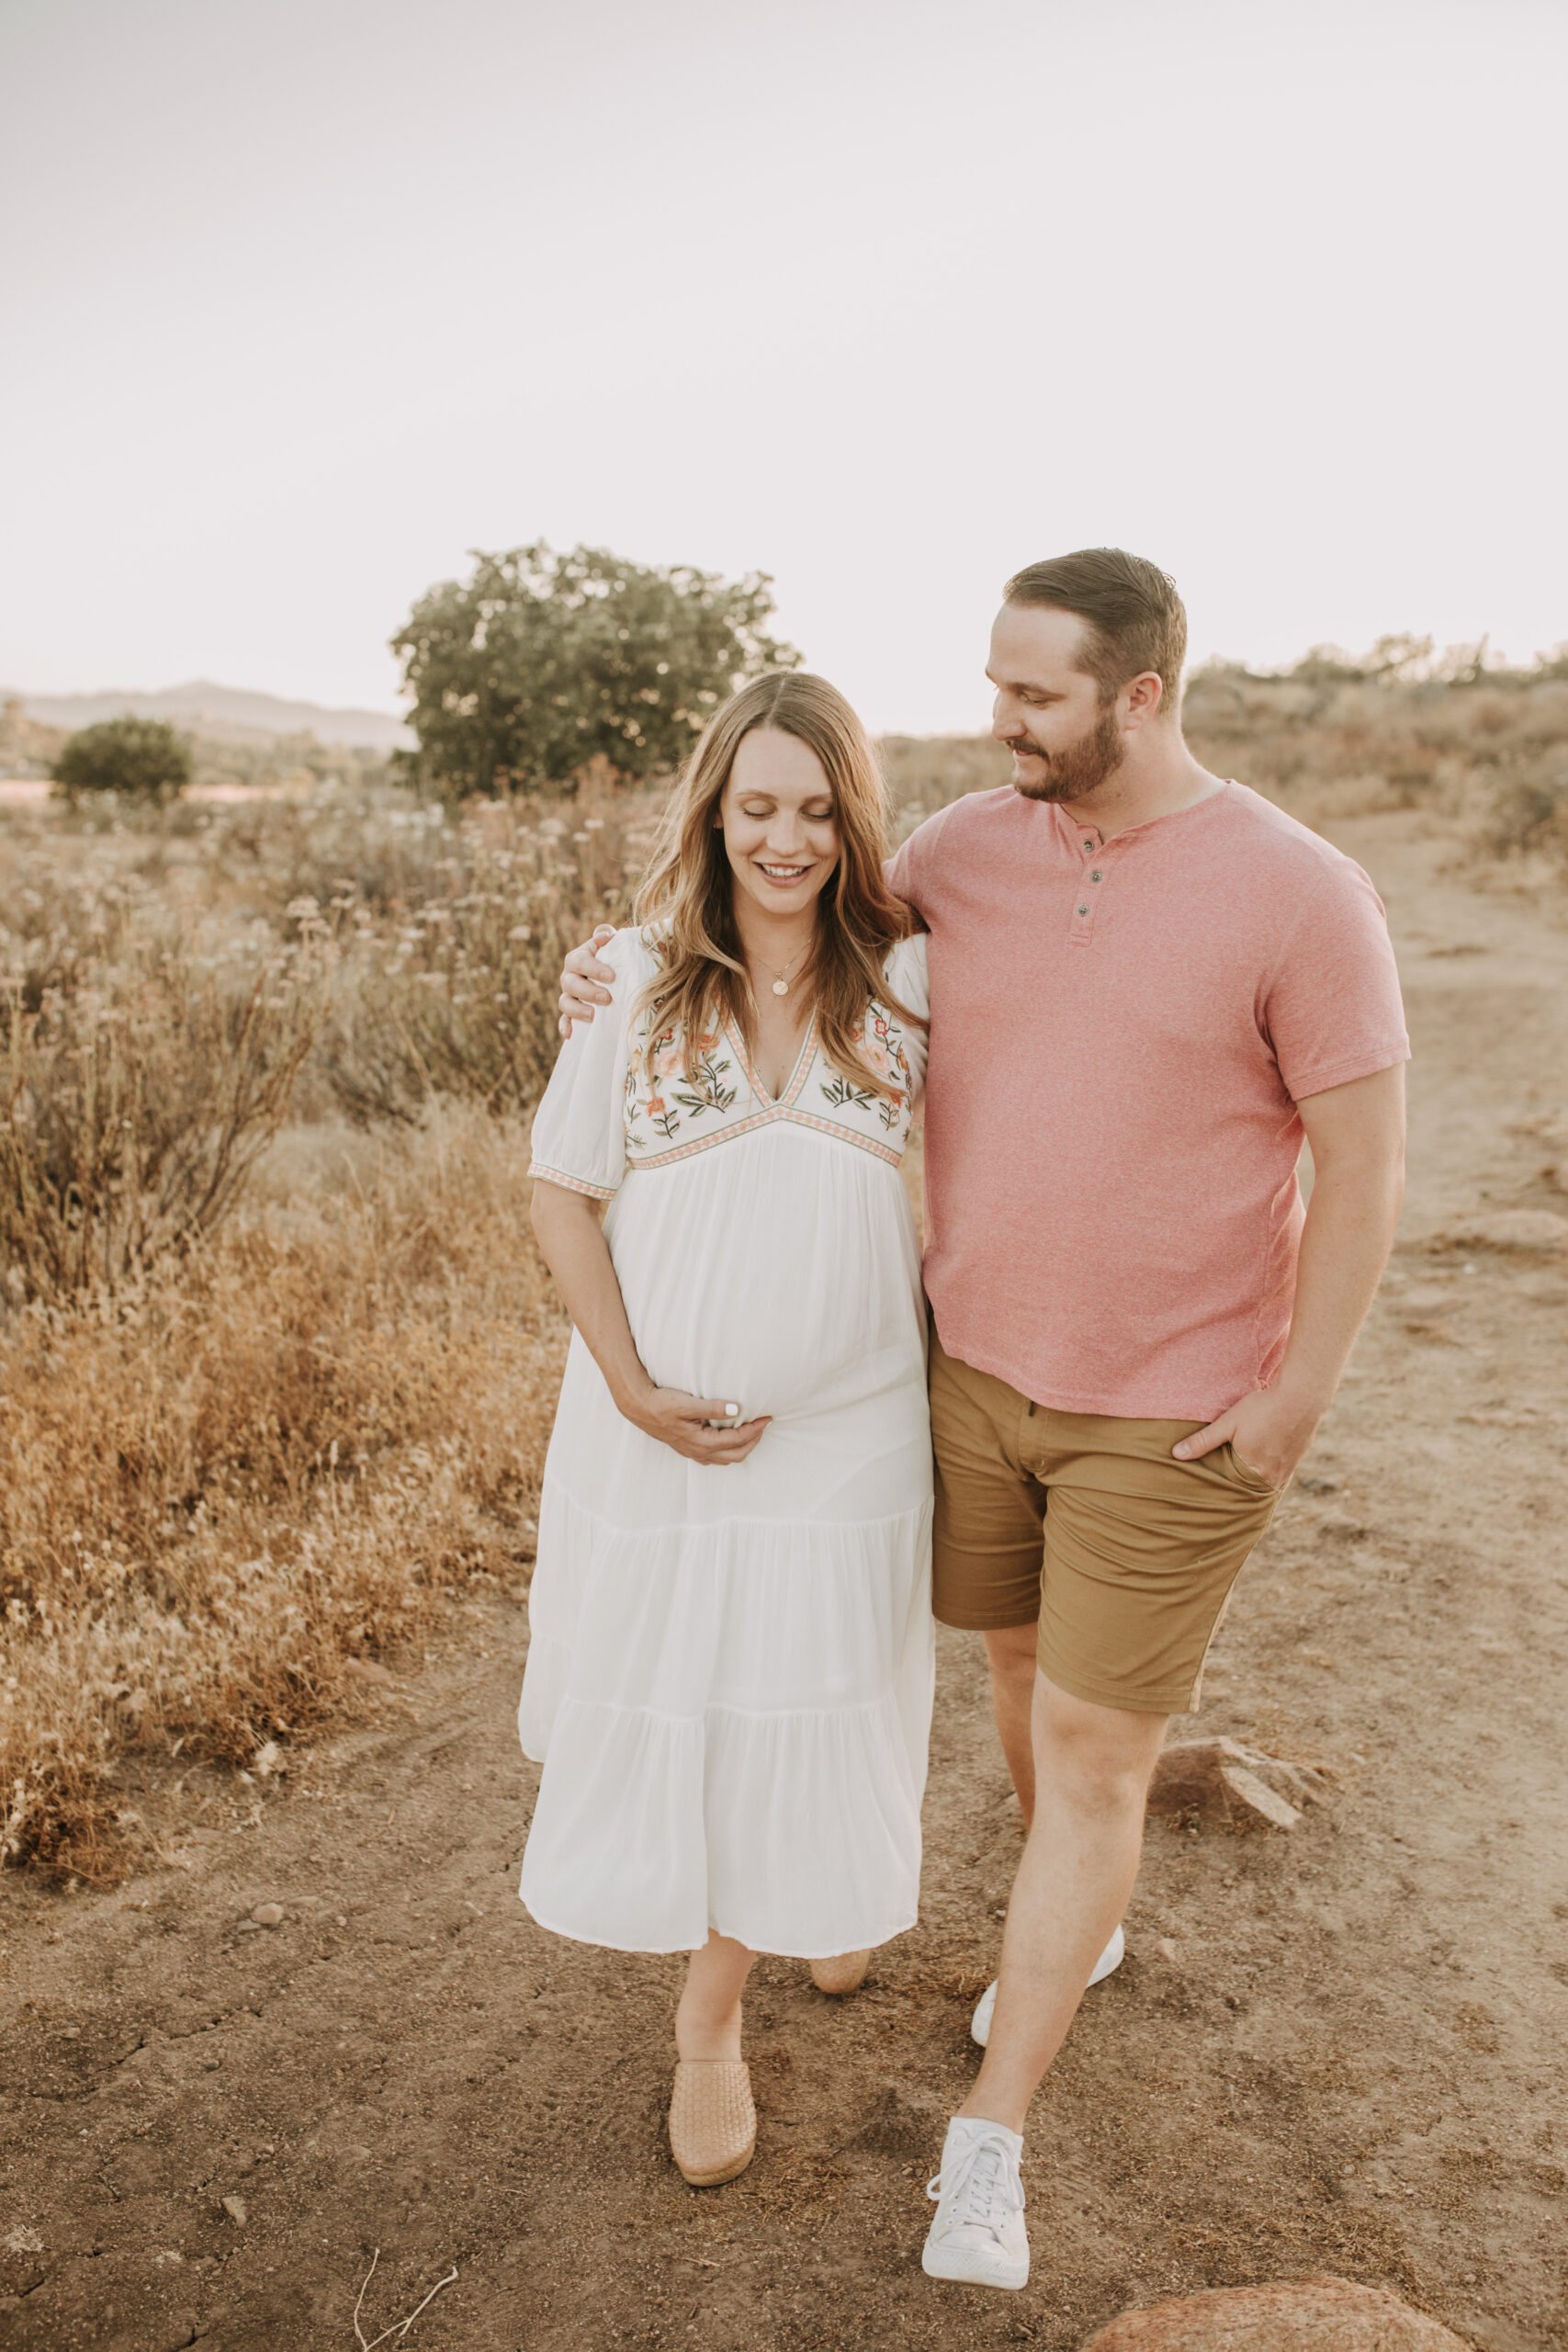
1011 1656
1093 1767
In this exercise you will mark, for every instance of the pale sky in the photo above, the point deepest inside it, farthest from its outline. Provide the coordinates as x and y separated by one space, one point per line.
303 298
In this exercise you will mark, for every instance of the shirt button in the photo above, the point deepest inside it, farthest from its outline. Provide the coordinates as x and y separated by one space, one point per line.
1083 910
1095 876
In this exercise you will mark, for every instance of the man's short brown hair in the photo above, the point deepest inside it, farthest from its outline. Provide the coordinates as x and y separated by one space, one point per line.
1132 618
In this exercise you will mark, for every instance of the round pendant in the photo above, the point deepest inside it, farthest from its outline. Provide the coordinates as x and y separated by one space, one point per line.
781 988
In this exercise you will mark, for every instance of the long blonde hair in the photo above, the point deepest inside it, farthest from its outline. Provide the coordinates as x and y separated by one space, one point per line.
688 893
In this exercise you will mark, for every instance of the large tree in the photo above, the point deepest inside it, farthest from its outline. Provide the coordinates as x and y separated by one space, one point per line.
540 662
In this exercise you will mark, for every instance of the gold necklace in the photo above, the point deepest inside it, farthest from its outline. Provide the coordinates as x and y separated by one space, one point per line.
781 979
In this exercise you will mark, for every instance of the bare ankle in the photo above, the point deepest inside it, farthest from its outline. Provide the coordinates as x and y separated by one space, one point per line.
975 2111
703 2040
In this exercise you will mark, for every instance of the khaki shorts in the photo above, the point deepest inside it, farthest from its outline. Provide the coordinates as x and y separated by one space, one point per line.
1088 1525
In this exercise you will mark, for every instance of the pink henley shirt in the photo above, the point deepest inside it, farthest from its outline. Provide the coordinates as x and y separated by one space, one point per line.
1121 1032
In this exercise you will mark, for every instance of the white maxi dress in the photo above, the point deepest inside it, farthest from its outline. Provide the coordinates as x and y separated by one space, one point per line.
730 1669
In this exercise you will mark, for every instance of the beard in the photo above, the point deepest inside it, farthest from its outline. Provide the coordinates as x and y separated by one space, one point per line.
1080 769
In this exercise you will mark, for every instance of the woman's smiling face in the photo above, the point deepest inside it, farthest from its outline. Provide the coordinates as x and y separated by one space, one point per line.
776 814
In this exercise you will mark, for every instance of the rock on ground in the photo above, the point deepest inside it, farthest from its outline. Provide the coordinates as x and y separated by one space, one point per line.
1219 1777
1319 2314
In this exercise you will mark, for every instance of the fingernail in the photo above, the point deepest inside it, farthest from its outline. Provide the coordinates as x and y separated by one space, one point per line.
732 1409
1181 1453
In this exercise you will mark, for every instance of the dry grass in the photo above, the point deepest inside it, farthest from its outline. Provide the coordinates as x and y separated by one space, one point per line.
172 985
453 993
1489 758
246 1438
272 1458
248 1441
135 1097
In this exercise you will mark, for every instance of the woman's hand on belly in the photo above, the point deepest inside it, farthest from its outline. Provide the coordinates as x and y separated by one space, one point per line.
682 1422
567 1226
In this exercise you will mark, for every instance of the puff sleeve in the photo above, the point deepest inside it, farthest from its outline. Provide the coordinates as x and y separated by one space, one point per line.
579 1135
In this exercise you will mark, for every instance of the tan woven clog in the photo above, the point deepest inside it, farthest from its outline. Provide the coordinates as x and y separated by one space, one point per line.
713 2124
845 1973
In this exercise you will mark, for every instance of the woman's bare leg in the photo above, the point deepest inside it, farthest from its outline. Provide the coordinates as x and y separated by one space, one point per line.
707 2020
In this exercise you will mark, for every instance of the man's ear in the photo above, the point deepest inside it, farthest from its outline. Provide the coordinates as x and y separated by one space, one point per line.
1144 697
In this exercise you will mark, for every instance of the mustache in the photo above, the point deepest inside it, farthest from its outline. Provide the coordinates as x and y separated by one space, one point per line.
1026 747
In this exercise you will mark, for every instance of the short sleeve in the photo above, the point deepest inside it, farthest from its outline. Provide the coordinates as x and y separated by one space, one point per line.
906 978
902 871
580 1132
1333 1007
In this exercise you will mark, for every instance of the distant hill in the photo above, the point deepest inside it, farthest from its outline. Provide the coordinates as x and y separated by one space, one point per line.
231 714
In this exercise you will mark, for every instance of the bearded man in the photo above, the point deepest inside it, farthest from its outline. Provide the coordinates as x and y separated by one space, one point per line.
1149 987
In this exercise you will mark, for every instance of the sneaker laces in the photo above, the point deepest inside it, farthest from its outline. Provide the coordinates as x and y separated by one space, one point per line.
981 2183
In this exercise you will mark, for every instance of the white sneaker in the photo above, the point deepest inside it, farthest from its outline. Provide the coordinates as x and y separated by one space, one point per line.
1110 1960
979 2234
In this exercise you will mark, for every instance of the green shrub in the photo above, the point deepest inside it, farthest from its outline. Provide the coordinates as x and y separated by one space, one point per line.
142 758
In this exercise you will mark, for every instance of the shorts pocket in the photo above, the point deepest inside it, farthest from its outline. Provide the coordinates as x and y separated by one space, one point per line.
1248 1477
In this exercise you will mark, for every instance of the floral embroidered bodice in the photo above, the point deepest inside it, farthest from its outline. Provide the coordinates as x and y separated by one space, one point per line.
608 1109
671 1114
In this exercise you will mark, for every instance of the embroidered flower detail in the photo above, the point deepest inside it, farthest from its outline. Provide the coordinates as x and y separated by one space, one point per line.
843 1096
704 1089
672 1113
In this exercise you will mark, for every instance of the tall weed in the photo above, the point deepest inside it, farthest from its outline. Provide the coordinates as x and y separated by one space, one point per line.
135 1100
456 995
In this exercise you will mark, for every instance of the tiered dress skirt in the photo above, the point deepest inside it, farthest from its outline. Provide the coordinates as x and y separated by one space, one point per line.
729 1671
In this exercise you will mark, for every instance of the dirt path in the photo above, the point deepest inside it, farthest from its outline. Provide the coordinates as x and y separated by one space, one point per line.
1343 2049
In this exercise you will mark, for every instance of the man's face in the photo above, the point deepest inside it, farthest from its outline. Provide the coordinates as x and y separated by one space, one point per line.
1064 740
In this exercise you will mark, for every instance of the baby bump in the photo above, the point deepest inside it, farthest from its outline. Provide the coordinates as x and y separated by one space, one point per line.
783 1297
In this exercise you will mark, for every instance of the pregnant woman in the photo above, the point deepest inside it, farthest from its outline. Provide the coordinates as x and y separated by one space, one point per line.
730 1665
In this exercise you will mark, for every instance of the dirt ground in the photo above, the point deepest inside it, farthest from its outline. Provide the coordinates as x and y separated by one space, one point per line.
1341 2049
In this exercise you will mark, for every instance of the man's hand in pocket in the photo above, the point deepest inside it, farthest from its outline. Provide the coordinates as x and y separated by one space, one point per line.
1269 1431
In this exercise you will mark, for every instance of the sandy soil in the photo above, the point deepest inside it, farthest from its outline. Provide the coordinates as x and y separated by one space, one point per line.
1339 2049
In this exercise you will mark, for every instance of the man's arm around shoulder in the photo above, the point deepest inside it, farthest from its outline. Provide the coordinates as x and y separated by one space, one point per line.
585 981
